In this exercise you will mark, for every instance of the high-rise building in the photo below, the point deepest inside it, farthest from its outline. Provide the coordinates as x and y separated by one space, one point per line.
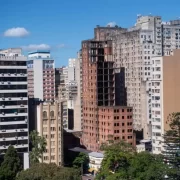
133 49
14 121
41 76
165 97
49 125
78 112
105 114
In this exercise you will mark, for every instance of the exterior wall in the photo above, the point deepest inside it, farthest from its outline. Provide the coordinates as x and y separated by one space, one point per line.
38 79
115 123
78 123
171 86
50 126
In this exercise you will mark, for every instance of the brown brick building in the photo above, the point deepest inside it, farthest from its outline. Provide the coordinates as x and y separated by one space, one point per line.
105 114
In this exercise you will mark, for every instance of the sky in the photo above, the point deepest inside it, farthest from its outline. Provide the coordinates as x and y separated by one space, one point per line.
61 25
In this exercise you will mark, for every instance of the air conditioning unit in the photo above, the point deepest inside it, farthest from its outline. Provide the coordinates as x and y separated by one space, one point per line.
4 146
16 137
3 113
4 139
9 98
3 98
2 74
15 74
20 73
9 74
22 105
3 106
22 137
16 113
3 130
2 82
16 145
21 97
16 130
9 82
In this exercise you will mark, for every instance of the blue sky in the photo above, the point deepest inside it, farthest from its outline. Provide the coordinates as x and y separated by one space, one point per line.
62 25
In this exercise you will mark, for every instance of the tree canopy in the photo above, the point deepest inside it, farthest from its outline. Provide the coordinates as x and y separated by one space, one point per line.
42 171
121 162
11 165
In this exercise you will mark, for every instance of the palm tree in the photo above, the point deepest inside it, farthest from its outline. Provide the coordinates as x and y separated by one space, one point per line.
39 147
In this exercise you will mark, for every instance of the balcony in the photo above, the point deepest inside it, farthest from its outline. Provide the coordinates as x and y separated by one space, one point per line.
13 114
14 138
15 146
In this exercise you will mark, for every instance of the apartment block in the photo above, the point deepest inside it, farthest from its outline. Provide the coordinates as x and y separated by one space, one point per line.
14 121
100 87
165 95
49 125
41 76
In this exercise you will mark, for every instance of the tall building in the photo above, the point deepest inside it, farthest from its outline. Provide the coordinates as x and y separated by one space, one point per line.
14 121
133 49
105 117
67 91
49 125
165 97
41 76
78 111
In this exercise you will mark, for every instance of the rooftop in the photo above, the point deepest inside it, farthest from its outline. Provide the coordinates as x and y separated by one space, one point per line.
96 154
40 51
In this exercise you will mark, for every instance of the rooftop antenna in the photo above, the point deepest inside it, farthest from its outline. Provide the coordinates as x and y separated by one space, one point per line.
138 15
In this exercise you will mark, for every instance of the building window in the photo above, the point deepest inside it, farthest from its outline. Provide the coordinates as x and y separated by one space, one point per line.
52 113
44 114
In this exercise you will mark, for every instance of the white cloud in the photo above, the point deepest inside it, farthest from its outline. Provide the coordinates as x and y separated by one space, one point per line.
111 24
16 32
33 47
60 46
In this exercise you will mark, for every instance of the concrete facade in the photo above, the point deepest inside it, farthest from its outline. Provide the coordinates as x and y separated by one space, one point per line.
49 125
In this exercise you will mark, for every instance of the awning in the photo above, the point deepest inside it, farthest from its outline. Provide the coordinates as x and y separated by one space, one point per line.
91 170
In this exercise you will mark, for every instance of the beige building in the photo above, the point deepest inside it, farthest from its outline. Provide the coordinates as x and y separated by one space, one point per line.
49 125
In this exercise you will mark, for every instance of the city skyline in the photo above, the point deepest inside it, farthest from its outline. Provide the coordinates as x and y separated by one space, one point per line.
60 27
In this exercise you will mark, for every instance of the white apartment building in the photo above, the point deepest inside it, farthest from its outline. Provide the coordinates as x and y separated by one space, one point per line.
41 76
14 123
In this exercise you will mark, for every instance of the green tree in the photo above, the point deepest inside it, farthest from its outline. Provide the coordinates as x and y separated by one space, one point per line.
172 144
146 166
121 162
39 147
81 161
116 161
11 165
42 171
